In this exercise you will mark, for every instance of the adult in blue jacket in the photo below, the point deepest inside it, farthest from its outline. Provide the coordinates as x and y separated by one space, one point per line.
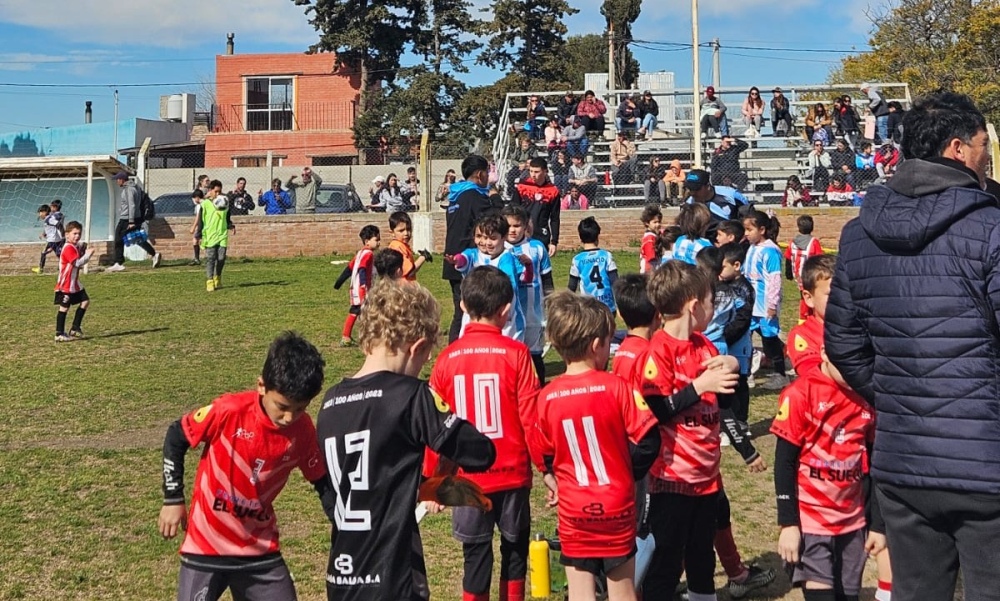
912 324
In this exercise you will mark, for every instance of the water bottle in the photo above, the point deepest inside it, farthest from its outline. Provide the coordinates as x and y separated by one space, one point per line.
557 571
538 560
129 238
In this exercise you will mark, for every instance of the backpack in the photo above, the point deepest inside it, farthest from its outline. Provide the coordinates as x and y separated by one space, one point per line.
147 209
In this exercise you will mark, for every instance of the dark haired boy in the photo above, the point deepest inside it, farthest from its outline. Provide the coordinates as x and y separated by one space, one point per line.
532 295
401 228
488 379
54 233
253 440
594 267
806 339
214 223
361 272
799 250
731 230
540 198
652 218
69 290
197 197
389 264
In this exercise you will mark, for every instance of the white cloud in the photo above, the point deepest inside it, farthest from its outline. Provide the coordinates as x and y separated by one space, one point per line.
171 24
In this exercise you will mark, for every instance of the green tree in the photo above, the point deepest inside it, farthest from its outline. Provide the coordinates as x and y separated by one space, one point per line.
932 45
526 37
580 55
619 16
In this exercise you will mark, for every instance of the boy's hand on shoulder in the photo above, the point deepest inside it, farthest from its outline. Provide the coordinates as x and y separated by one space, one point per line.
173 518
788 544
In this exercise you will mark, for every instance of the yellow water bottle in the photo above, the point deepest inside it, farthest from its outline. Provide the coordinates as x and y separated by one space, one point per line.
538 559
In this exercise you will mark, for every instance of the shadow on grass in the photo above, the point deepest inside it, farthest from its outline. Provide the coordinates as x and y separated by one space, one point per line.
130 333
253 284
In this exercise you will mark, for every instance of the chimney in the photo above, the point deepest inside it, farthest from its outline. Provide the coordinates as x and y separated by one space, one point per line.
88 113
229 43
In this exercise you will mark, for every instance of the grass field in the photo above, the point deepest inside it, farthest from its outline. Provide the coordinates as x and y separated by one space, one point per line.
80 463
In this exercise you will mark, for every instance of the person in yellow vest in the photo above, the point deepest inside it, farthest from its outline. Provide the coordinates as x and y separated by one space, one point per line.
215 224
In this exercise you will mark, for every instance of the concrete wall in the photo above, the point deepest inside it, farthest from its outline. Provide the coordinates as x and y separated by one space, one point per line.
317 235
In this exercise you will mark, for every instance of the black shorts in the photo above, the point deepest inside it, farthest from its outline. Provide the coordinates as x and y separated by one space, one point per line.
511 514
596 565
55 247
68 299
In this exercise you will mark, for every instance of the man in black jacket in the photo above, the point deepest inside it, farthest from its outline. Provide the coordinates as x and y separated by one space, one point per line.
468 202
726 163
912 324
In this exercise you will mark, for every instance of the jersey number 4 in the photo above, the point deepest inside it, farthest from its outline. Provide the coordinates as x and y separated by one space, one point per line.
593 448
348 518
486 403
596 278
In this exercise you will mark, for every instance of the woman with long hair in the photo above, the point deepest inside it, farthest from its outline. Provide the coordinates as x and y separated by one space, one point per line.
753 109
445 187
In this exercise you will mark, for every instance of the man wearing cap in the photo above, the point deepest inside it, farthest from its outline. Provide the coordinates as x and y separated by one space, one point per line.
306 191
724 203
129 218
781 116
650 112
713 114
375 190
880 108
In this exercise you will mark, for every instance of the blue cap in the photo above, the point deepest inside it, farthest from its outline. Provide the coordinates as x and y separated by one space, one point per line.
696 178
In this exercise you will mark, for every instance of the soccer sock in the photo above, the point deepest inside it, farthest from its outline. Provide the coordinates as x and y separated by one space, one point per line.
467 596
349 325
539 363
729 555
41 262
197 252
692 596
884 592
818 595
219 264
78 318
61 322
511 590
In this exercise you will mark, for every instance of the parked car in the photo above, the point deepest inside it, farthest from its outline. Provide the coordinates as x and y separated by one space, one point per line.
174 204
335 198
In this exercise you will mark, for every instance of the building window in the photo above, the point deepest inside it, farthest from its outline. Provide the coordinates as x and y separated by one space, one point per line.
269 104
258 161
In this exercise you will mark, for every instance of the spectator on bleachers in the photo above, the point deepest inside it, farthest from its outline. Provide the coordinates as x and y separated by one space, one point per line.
818 124
445 188
627 117
624 158
654 181
575 200
674 180
583 175
753 111
847 121
726 163
886 159
566 109
842 160
796 195
781 115
524 152
536 118
880 108
819 165
865 172
650 114
575 135
896 113
713 114
591 111
553 136
839 193
559 170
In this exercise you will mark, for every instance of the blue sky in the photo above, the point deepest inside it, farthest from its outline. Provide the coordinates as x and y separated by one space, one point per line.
63 44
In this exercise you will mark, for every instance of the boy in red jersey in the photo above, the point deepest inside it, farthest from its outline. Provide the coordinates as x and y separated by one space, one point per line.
824 431
806 339
799 250
361 271
488 379
69 290
652 217
681 377
253 440
588 420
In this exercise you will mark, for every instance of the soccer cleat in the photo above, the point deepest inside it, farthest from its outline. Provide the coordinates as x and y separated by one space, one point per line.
37 270
757 578
346 343
76 333
775 382
63 338
194 262
156 260
115 268
218 282
210 285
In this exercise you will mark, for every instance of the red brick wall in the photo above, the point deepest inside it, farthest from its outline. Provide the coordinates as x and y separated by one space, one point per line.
317 235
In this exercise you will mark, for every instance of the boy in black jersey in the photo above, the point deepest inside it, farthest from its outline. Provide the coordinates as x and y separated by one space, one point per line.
373 429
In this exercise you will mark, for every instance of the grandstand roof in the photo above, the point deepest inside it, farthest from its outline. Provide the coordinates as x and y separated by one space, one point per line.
68 166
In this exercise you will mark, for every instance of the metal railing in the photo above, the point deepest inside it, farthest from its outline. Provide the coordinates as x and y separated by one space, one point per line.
301 116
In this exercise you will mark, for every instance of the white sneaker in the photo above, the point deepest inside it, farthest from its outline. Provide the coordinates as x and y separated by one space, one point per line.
724 440
156 260
755 359
751 382
115 267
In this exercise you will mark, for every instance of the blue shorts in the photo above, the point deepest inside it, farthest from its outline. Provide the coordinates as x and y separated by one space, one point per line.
768 327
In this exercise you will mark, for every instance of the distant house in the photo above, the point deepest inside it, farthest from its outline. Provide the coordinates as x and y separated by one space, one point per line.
301 107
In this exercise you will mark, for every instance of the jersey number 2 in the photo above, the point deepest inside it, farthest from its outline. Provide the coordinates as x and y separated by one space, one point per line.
486 403
348 518
593 447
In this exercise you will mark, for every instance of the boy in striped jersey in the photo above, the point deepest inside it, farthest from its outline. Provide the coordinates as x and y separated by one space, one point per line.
531 296
799 250
360 271
69 291
652 218
594 268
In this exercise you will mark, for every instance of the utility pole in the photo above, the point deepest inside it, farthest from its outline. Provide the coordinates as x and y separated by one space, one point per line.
696 86
716 64
611 57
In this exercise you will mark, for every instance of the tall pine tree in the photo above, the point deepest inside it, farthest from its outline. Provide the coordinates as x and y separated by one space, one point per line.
620 15
525 36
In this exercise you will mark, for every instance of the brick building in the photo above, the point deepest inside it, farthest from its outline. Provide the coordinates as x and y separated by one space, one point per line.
301 107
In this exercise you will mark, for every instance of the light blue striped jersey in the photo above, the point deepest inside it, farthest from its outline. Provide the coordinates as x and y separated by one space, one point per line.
531 296
762 269
686 249
508 264
593 268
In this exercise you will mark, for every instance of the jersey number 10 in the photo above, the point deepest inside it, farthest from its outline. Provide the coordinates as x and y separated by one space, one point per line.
347 518
486 403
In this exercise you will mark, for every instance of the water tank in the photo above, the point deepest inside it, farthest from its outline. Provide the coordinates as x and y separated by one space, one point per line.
175 108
